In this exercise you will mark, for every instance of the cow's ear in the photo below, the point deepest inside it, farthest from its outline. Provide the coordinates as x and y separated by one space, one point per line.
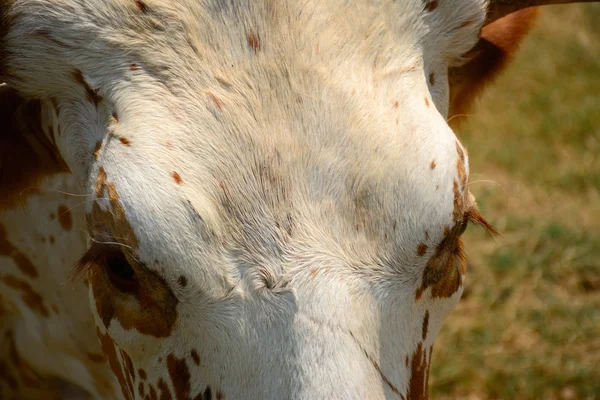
27 154
498 44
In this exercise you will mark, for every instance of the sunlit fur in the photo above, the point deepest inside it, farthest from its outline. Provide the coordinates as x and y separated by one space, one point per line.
290 160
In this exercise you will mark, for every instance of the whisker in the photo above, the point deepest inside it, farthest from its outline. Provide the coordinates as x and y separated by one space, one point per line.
53 190
495 183
459 115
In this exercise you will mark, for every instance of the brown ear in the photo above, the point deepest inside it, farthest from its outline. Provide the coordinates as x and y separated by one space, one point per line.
500 8
26 153
498 44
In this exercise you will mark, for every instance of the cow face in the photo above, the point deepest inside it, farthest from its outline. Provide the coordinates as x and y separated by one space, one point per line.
277 199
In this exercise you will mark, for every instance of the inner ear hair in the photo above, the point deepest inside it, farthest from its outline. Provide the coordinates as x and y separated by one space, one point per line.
27 155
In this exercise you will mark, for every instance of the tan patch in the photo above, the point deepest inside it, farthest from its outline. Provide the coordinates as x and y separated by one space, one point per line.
432 165
177 178
133 67
422 249
253 41
9 250
216 101
426 102
97 149
110 352
180 377
29 296
125 141
65 219
417 387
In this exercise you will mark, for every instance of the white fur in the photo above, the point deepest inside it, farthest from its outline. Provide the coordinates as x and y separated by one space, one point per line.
332 105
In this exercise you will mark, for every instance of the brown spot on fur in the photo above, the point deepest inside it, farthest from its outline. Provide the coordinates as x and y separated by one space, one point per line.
177 178
27 154
65 219
90 94
215 100
180 377
425 325
432 165
426 102
253 41
182 281
97 149
142 374
141 5
165 393
422 249
95 357
219 395
152 393
141 390
431 5
125 141
458 203
396 104
169 145
195 357
432 79
417 389
29 296
9 250
133 67
109 349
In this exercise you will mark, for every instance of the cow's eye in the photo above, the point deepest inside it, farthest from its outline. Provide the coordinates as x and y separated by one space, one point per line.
120 272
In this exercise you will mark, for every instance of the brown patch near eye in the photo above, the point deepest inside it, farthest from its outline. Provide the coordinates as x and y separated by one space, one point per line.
253 41
177 178
426 102
65 219
182 281
422 249
417 386
97 149
90 94
432 165
425 325
216 101
180 377
432 79
9 250
431 5
195 357
152 308
125 141
109 349
29 296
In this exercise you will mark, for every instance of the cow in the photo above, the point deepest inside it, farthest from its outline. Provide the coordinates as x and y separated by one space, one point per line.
235 199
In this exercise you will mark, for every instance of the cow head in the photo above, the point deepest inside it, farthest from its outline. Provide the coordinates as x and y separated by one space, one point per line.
276 198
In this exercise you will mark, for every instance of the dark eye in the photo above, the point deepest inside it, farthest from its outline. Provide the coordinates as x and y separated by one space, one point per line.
120 272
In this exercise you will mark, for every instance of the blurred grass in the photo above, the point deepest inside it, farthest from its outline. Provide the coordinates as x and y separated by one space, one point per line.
528 326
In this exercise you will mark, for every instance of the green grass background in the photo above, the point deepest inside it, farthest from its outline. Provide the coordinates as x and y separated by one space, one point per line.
528 326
